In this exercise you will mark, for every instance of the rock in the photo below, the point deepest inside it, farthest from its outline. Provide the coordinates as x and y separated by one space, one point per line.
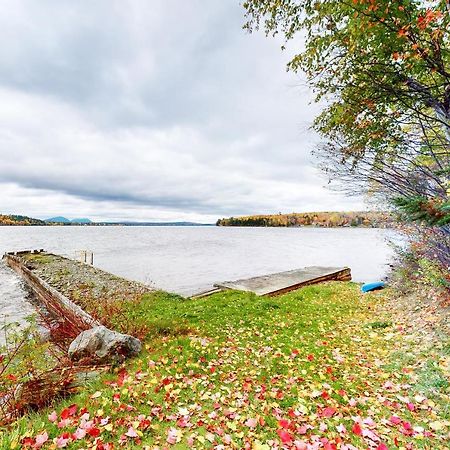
103 344
44 334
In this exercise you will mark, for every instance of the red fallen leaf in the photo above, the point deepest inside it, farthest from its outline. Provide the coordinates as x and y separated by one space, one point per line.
283 423
357 429
310 357
28 441
94 432
41 439
341 392
329 446
262 422
382 446
144 424
11 377
407 426
395 420
251 423
285 436
69 411
325 395
410 406
121 376
328 412
212 369
329 370
295 351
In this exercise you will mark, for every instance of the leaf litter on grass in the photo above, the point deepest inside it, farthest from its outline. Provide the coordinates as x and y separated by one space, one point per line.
309 372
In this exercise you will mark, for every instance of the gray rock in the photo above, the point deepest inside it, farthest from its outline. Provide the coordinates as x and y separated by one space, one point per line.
103 344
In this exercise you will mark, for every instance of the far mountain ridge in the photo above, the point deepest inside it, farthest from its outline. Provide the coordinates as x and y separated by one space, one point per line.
58 219
61 219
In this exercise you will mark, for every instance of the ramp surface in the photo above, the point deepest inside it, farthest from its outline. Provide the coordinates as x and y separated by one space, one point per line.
279 283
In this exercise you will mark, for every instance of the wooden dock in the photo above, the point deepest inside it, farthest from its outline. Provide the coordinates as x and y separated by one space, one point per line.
282 282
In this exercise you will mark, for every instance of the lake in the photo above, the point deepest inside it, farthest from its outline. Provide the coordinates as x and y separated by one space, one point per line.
190 259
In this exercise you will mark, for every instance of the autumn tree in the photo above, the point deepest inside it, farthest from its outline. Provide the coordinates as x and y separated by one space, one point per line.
382 68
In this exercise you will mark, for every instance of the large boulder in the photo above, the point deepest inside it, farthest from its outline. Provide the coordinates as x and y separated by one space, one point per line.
102 344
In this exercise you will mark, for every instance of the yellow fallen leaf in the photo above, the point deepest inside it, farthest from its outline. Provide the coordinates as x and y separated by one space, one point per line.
259 446
436 425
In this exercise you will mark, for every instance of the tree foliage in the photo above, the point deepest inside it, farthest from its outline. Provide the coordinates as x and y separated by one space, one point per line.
382 68
19 220
374 219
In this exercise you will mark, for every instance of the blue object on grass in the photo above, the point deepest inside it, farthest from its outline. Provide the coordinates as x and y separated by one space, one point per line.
372 286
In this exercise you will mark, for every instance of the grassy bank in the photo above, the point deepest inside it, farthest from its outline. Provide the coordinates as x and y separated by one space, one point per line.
323 367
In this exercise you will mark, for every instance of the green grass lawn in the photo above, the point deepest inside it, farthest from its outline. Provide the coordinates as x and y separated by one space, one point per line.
316 368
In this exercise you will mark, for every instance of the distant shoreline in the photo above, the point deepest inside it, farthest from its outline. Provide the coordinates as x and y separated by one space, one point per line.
332 219
95 224
16 220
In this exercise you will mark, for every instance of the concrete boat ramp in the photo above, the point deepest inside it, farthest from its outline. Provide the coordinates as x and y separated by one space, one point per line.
282 282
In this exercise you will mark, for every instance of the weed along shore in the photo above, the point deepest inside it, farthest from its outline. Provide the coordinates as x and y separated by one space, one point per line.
320 367
76 296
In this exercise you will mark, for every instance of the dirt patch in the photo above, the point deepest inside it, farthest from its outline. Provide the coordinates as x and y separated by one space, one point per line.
424 314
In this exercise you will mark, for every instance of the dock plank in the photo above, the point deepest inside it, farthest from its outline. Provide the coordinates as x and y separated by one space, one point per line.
282 282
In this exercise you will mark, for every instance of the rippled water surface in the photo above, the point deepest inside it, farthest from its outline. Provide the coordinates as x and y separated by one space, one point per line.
190 259
13 303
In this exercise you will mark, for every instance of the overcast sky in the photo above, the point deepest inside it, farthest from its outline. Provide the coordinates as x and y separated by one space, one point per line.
151 110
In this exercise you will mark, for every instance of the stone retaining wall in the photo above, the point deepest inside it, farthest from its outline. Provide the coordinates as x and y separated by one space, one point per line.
50 298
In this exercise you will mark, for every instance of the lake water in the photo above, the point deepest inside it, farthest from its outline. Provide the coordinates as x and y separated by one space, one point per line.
190 259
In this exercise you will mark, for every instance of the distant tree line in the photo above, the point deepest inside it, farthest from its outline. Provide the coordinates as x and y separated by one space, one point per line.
12 219
370 219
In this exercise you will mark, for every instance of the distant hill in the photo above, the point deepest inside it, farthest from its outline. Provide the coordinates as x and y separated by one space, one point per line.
369 219
65 220
11 219
58 219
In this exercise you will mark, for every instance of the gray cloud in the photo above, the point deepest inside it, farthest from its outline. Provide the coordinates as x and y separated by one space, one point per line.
151 110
